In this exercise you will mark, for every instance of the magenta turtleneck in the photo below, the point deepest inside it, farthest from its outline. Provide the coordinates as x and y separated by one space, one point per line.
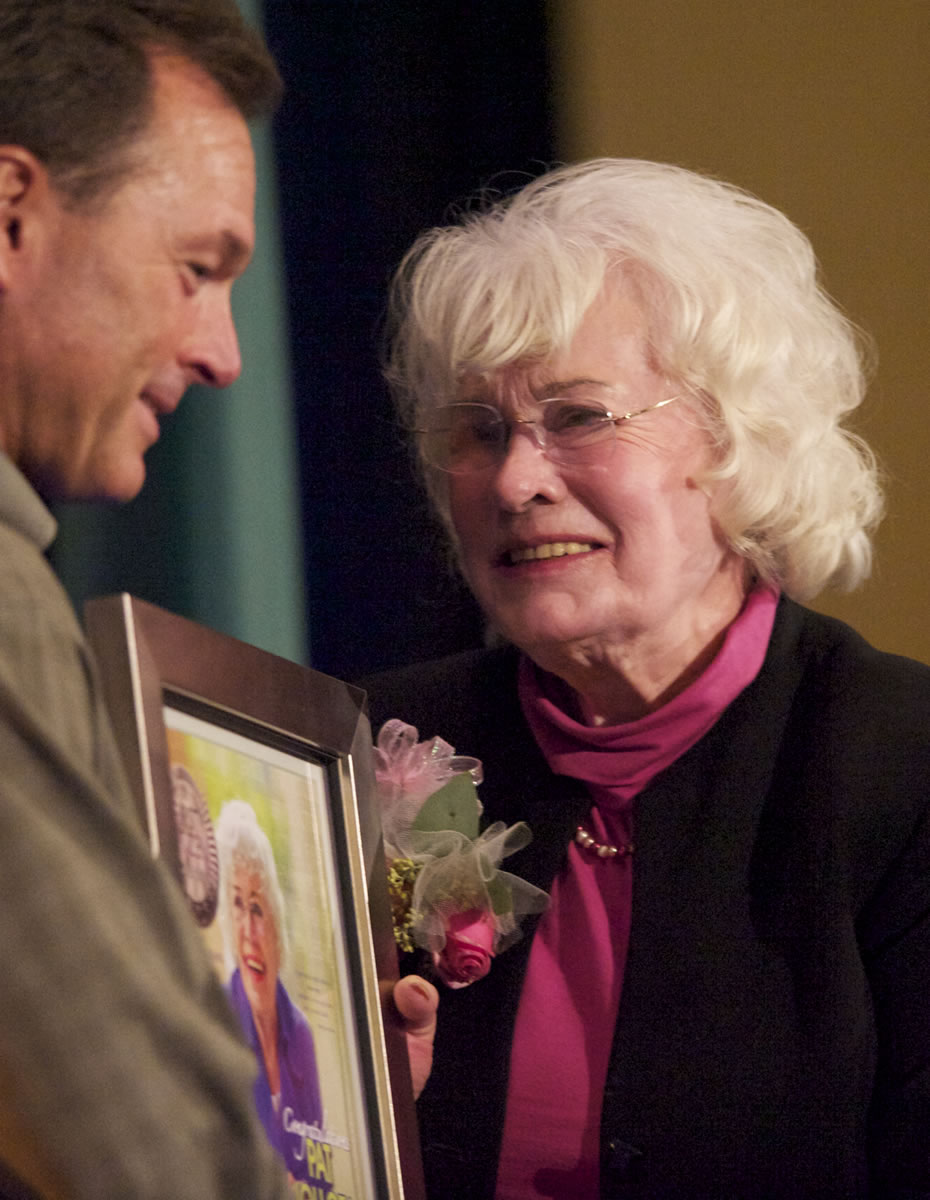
568 1007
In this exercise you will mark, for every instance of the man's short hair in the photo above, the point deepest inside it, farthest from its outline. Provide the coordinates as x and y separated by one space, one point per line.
76 83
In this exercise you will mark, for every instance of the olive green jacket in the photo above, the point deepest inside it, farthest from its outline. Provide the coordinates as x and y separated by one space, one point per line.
122 1071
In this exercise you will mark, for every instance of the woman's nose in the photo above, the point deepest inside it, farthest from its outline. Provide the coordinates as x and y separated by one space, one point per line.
525 472
533 429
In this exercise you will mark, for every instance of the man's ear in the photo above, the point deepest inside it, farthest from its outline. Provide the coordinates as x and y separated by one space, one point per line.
24 187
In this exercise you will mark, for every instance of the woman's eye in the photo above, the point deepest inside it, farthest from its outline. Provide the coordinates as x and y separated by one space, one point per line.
485 431
575 416
470 428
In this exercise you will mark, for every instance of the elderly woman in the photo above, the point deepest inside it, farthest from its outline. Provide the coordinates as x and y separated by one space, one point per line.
287 1089
628 392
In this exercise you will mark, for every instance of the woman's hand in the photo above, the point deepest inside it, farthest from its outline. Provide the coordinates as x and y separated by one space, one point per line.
416 1000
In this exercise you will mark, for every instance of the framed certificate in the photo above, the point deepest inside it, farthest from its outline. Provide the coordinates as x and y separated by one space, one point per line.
253 778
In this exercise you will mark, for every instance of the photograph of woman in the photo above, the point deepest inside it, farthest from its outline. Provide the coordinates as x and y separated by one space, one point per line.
255 944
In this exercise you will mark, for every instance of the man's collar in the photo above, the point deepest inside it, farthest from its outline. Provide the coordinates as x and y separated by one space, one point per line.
21 507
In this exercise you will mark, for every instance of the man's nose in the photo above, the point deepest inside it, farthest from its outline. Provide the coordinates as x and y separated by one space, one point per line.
211 353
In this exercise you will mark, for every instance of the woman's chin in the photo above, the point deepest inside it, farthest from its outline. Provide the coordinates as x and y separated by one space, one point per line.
547 628
261 996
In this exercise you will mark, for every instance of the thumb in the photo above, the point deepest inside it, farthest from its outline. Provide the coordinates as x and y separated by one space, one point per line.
416 1000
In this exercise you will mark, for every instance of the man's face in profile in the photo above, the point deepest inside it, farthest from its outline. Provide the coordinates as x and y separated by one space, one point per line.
118 308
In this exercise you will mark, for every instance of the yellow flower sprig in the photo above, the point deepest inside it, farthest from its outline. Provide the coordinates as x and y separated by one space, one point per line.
402 875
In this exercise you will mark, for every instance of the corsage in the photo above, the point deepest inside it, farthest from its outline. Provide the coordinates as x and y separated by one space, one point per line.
449 896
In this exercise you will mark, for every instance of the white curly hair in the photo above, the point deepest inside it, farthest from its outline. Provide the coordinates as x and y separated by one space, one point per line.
735 315
240 839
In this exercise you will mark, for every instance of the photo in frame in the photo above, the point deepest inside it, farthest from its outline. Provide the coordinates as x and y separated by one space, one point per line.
253 779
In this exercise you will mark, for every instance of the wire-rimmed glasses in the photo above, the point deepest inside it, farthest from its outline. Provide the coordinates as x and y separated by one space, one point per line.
467 436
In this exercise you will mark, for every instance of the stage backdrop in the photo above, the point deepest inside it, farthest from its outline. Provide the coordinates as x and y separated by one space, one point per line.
288 503
394 113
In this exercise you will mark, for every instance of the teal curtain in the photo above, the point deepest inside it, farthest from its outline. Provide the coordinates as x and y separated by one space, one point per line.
216 533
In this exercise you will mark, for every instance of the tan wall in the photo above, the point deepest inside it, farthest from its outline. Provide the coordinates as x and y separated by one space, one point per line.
822 108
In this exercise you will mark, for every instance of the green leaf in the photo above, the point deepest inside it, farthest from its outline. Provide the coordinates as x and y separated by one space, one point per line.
454 806
499 894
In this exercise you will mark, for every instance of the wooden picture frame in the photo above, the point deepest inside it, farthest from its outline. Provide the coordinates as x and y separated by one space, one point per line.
204 720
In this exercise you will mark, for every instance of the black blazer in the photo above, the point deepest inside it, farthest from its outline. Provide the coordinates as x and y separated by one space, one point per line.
773 1038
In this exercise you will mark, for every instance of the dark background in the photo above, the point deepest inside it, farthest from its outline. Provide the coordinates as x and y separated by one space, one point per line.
393 112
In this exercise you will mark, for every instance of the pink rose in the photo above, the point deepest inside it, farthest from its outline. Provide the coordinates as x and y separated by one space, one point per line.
469 948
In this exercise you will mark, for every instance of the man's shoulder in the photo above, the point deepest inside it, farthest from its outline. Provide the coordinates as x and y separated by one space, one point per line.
48 682
31 595
36 616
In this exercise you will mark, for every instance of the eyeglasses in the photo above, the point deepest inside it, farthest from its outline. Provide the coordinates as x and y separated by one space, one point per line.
465 438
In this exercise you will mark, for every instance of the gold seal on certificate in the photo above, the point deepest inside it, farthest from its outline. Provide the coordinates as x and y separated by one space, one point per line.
200 868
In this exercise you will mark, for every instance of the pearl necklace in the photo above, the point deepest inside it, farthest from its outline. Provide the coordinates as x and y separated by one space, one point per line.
602 849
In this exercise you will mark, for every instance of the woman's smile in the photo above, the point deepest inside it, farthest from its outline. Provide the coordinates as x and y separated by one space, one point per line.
545 551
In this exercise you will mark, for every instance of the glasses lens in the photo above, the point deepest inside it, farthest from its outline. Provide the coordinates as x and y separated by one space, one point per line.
576 428
463 437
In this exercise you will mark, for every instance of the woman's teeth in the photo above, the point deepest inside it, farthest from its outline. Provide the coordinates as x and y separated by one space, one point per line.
547 550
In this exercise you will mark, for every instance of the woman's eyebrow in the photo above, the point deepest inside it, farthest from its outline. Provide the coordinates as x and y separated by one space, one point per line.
558 387
481 393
